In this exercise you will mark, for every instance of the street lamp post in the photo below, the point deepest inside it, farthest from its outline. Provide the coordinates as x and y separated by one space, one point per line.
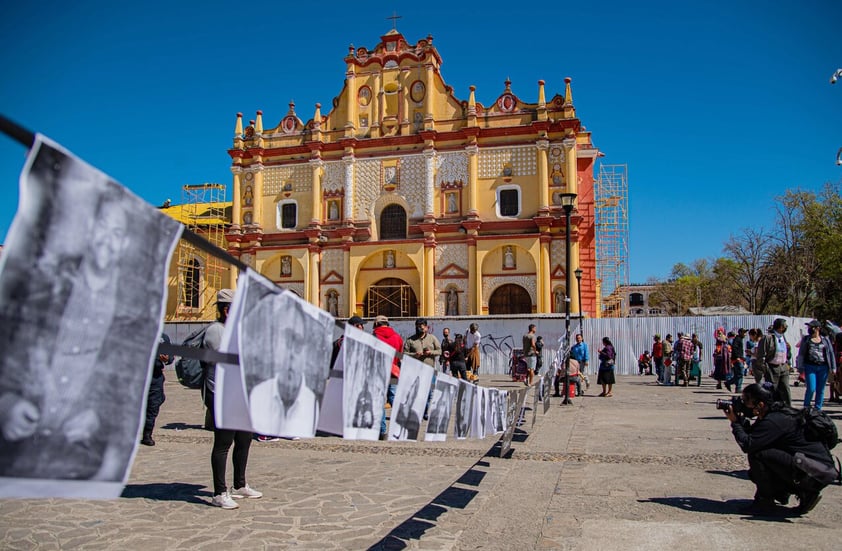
578 273
568 200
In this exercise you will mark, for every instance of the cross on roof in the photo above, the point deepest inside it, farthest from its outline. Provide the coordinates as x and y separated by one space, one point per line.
394 17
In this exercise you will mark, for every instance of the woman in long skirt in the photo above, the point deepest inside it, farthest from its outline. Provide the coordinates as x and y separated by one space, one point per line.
607 357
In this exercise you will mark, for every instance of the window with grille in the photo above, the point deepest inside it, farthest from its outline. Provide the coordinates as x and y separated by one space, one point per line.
393 222
508 201
288 215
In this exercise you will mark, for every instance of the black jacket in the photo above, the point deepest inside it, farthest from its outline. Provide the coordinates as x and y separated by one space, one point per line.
779 429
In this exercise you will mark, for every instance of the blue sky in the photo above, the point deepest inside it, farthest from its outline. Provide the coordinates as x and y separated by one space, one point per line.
716 107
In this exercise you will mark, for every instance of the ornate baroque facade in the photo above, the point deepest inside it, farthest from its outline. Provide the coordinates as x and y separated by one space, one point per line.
404 200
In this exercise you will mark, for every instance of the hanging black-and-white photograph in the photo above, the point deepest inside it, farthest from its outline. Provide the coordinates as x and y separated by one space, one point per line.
410 399
367 366
82 293
489 410
546 385
479 419
499 412
331 412
285 347
465 396
441 406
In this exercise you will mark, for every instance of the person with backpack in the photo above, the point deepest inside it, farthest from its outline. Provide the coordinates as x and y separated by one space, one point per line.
782 458
773 358
224 438
683 353
816 359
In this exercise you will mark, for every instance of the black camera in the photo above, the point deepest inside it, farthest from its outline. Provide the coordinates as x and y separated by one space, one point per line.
736 403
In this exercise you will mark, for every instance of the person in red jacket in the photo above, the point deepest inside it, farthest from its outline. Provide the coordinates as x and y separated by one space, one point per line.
385 333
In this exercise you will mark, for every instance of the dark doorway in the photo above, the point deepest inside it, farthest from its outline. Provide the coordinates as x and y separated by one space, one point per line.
509 299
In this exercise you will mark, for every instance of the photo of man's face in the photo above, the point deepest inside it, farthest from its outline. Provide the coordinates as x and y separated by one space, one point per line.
108 237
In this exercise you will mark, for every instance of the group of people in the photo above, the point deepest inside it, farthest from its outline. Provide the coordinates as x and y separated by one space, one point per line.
674 362
460 355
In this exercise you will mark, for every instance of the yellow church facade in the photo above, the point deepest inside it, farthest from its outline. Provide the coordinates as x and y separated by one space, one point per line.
404 200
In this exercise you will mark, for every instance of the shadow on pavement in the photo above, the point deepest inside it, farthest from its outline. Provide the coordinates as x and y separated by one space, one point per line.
730 507
742 475
171 491
180 426
425 518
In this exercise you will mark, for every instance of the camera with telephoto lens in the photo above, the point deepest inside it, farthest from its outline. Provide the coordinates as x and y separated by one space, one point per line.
736 403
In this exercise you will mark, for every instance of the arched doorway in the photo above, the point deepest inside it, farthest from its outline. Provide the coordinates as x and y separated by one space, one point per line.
391 297
509 299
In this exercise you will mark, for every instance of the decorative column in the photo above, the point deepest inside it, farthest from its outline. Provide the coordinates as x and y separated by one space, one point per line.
316 166
429 181
428 96
313 276
473 168
376 109
237 202
347 280
543 177
570 165
545 301
351 101
474 278
348 160
257 216
403 97
429 279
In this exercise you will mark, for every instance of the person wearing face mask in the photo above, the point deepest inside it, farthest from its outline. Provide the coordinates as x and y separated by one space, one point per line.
773 357
816 360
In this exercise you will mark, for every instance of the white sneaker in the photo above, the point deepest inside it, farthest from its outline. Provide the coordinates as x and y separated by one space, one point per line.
245 491
224 500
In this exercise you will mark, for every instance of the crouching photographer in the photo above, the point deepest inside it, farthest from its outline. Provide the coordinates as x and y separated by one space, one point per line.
782 461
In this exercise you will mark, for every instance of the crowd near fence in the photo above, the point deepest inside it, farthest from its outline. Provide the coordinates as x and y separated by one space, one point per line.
501 335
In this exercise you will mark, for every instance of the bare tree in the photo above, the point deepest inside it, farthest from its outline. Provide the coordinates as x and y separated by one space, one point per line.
750 252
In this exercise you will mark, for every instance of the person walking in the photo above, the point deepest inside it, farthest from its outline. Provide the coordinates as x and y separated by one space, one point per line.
816 359
607 358
156 397
224 438
529 353
658 357
457 358
721 357
384 332
773 356
472 339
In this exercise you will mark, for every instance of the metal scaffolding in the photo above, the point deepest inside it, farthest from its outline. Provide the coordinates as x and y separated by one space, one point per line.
611 213
200 273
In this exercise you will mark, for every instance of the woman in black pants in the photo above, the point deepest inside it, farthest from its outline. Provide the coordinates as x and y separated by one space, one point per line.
223 438
457 358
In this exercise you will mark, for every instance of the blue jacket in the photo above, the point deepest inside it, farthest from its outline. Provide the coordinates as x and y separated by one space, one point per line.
579 352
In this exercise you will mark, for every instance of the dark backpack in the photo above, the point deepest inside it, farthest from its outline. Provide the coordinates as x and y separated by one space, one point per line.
190 371
819 427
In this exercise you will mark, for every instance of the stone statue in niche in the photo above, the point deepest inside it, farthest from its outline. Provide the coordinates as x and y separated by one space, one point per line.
333 303
559 301
509 258
389 259
452 303
333 210
286 266
451 203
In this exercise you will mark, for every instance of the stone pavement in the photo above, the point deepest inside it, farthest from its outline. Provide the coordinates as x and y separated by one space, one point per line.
649 468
